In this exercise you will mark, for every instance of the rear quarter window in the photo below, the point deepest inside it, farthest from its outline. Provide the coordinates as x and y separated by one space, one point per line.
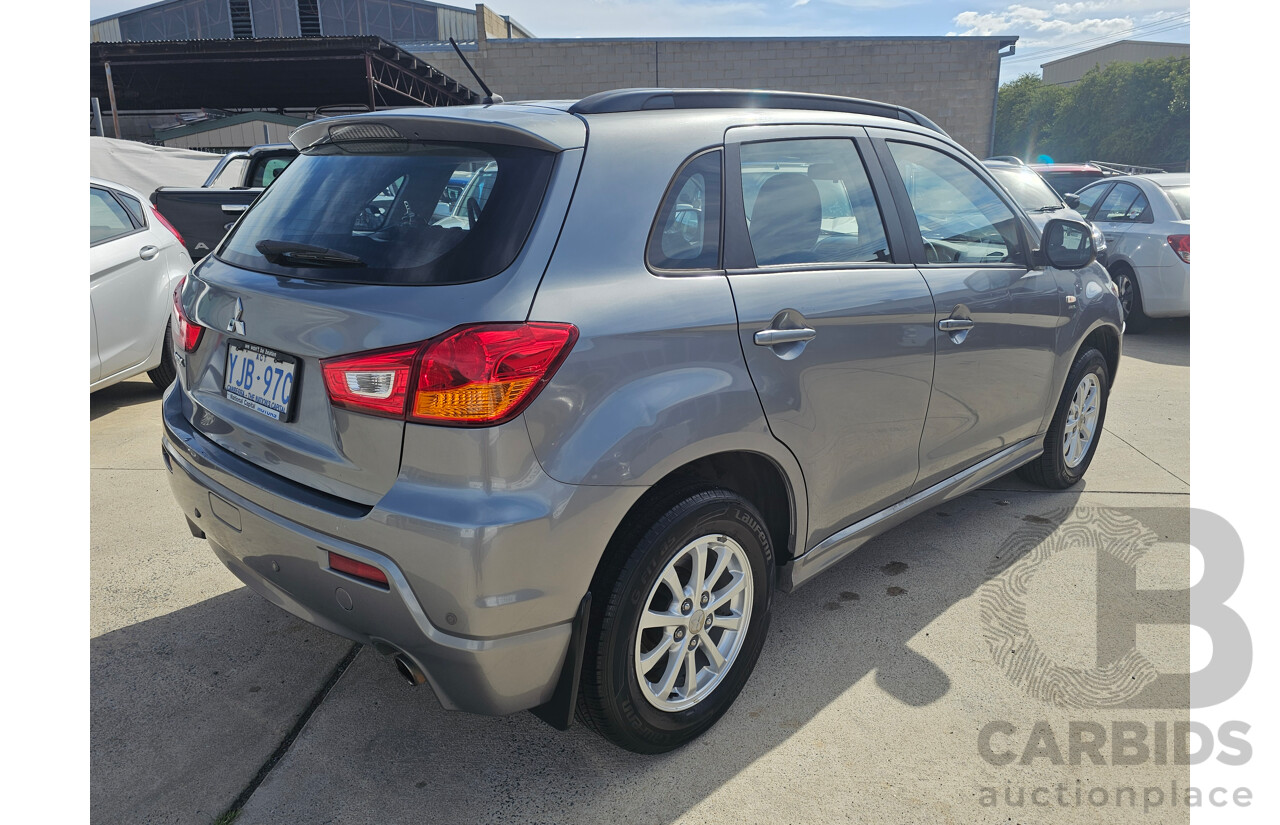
390 212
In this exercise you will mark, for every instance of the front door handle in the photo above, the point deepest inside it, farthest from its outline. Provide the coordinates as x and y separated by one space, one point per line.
774 337
955 324
148 252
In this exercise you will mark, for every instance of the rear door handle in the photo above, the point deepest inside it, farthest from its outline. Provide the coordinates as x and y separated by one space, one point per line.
148 252
234 208
774 337
955 324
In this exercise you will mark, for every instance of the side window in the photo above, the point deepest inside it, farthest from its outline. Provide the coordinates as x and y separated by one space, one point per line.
810 201
1089 197
107 218
961 218
135 208
265 173
686 233
1125 203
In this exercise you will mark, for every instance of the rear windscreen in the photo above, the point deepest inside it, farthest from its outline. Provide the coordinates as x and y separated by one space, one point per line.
394 212
1181 197
1064 182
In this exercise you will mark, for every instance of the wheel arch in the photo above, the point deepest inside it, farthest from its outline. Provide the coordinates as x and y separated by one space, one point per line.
755 476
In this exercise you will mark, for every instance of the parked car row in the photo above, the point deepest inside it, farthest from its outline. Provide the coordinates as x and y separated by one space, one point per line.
1146 220
1141 223
136 259
559 450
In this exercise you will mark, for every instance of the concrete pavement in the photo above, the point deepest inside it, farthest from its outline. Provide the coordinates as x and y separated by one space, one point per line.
868 704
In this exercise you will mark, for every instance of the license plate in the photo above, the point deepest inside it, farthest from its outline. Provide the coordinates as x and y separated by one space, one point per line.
261 379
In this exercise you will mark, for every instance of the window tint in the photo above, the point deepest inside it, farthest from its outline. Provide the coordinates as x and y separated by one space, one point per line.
1089 197
370 212
1125 203
961 218
107 218
1064 182
135 208
269 170
686 234
809 201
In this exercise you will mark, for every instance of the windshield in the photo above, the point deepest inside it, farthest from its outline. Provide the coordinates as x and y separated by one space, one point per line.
389 212
1028 189
1181 197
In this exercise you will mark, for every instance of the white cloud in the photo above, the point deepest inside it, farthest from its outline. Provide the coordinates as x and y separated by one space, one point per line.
1040 26
800 3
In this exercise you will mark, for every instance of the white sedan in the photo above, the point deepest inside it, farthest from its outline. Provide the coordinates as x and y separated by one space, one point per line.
1146 220
136 259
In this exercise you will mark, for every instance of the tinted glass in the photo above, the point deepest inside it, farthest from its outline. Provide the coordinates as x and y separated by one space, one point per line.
1181 197
1089 197
134 206
107 218
1124 203
686 234
265 173
1028 189
369 212
961 218
1064 182
809 201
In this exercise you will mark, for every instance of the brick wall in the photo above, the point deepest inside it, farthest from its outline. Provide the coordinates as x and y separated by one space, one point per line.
951 80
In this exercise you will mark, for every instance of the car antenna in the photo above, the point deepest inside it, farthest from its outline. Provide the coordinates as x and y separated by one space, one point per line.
489 96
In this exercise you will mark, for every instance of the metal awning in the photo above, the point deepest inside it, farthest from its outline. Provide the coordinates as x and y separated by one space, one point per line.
285 73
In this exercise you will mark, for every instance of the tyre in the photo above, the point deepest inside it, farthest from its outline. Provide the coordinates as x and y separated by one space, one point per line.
162 376
1130 299
689 593
1076 427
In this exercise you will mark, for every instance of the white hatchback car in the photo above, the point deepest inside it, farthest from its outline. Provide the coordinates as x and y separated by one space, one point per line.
1146 220
136 260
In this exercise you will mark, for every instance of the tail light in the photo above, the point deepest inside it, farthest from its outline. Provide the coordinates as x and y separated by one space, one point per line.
1182 245
164 221
189 331
475 375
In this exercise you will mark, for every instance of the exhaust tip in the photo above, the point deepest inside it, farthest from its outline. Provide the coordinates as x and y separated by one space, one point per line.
410 671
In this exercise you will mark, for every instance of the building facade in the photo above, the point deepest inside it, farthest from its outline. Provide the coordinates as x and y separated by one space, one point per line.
952 80
1069 70
396 21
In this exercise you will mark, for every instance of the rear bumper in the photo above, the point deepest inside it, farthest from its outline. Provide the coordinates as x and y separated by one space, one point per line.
440 576
1166 289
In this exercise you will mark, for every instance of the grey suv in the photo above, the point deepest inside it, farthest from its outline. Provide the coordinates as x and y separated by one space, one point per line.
685 349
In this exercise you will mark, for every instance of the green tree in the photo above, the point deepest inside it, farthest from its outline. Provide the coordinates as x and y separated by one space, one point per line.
1026 111
1136 113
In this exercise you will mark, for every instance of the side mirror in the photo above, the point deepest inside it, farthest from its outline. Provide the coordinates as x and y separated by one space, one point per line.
1067 244
1071 199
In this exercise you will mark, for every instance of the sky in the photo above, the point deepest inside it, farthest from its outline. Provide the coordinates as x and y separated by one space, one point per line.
1046 30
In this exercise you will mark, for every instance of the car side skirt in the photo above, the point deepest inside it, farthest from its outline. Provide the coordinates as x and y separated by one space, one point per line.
843 542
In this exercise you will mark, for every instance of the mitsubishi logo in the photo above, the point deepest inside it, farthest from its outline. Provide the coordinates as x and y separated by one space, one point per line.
236 324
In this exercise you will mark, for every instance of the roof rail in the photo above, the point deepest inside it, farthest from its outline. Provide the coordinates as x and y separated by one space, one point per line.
1124 168
635 100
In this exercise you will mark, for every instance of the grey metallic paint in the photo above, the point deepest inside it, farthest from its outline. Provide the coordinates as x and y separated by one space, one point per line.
490 537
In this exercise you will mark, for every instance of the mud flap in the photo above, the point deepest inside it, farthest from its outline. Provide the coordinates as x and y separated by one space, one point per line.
558 710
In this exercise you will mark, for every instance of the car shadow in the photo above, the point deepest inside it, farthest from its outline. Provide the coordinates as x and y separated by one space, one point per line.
185 708
128 393
379 745
1165 341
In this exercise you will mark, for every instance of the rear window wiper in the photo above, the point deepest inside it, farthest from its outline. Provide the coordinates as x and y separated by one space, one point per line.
288 253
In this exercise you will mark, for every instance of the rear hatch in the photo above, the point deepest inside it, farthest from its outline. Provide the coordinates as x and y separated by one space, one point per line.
363 244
